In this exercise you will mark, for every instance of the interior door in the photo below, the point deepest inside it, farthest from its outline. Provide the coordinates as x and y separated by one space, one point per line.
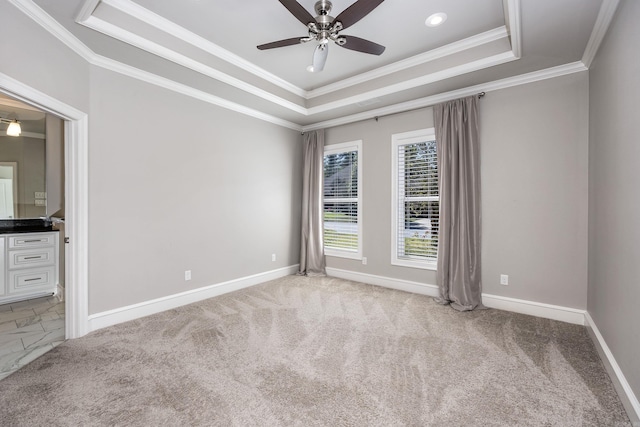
6 198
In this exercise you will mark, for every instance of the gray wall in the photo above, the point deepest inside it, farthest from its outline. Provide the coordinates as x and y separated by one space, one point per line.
534 182
614 206
177 184
174 183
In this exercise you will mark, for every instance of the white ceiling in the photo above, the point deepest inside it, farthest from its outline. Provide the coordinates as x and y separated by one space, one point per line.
209 48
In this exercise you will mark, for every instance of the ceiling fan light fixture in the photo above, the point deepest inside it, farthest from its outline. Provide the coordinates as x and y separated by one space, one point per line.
436 19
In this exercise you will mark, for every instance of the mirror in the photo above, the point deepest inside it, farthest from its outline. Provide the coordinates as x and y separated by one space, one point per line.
22 162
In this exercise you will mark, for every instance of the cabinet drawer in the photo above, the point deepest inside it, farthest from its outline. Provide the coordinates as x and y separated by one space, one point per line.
29 240
31 258
32 280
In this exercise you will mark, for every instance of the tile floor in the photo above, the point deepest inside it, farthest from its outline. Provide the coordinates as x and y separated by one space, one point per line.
28 329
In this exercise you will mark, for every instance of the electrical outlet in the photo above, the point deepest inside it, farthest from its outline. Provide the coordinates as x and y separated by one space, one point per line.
40 195
364 260
273 257
504 279
187 275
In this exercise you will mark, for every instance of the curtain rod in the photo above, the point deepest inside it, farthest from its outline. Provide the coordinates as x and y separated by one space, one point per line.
479 95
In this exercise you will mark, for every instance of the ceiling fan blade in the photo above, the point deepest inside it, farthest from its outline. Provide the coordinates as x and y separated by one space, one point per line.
298 11
281 43
320 57
356 12
362 45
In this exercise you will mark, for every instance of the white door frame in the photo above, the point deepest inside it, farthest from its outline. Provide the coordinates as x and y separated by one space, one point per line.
76 200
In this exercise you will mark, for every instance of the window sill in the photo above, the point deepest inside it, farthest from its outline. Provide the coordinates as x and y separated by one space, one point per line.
423 265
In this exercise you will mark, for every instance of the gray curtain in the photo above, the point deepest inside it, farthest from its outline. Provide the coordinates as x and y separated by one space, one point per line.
457 139
312 261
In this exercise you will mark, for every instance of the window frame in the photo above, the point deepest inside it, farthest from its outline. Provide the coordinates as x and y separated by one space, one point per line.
345 147
397 140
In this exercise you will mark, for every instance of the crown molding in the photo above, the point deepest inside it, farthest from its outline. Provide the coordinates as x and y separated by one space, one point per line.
162 24
189 37
429 101
163 82
128 37
87 9
514 24
605 16
450 49
33 11
468 67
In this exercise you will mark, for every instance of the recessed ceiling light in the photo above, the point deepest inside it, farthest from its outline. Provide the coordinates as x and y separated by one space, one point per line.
435 19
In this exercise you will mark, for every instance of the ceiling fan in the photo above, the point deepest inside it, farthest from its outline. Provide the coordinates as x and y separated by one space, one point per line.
325 28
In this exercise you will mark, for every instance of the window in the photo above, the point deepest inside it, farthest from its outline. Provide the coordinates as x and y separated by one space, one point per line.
416 200
343 200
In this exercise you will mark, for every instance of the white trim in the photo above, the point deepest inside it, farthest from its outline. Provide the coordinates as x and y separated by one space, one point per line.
342 148
147 308
458 70
514 23
183 89
605 16
169 27
76 207
627 396
532 308
385 282
87 9
547 311
428 101
170 55
432 55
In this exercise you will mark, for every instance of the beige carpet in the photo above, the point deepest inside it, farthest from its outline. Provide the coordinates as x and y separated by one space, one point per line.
319 351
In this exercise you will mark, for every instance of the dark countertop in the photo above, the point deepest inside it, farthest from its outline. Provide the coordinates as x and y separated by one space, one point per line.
11 226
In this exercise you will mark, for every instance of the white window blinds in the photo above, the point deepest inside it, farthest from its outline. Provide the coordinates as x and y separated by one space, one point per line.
416 200
342 225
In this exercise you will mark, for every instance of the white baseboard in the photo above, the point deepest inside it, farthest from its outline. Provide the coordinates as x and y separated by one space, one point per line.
532 308
136 311
385 282
547 311
627 396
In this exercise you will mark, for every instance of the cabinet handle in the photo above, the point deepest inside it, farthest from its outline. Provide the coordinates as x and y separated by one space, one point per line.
33 241
33 257
31 280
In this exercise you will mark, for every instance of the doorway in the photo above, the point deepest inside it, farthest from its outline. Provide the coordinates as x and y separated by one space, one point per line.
76 136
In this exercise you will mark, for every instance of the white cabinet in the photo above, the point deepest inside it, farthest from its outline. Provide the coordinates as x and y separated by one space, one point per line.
29 264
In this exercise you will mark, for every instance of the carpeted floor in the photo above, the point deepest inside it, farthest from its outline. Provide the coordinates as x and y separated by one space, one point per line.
319 351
